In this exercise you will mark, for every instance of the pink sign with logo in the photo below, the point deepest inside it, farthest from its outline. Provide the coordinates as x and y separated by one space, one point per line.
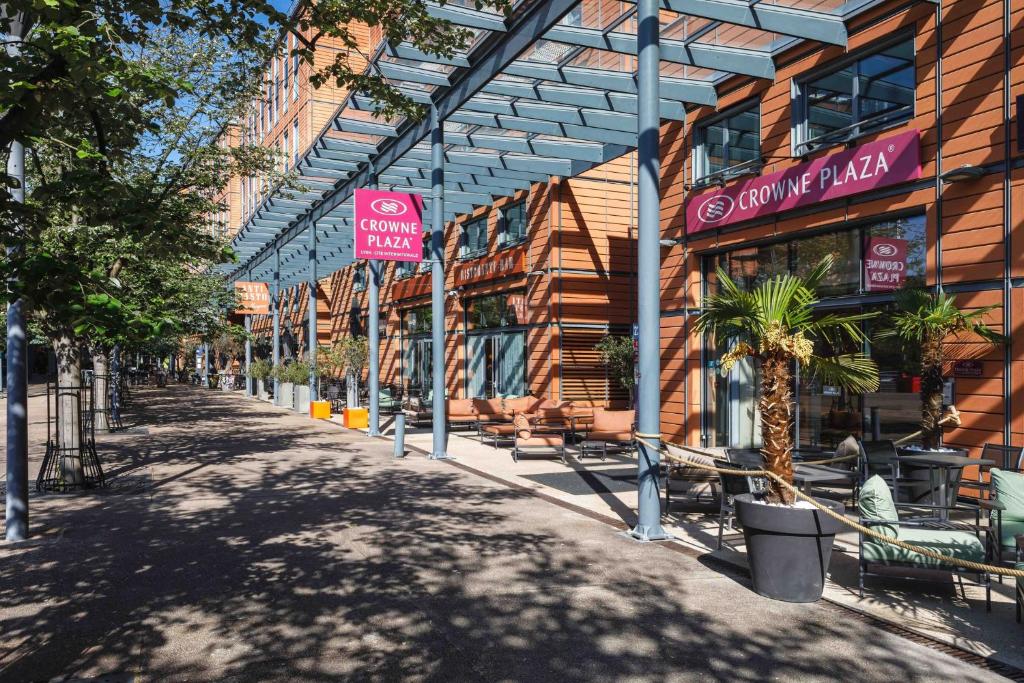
389 226
885 264
867 167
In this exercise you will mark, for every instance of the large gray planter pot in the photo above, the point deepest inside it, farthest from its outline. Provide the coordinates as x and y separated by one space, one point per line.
301 399
287 397
261 389
788 549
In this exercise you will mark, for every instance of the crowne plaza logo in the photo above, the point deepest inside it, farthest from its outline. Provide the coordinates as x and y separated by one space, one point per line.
716 208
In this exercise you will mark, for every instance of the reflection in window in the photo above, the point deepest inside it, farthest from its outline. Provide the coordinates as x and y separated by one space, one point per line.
474 238
425 264
513 224
500 310
359 278
872 92
728 144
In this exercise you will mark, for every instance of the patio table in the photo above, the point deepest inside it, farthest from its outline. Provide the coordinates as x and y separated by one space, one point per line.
806 476
945 471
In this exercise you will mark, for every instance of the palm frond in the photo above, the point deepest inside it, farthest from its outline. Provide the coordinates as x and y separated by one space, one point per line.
728 311
854 372
832 325
818 273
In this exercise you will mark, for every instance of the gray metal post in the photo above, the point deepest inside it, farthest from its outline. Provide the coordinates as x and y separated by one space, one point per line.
248 355
206 364
17 385
648 526
400 435
311 345
373 338
437 335
275 298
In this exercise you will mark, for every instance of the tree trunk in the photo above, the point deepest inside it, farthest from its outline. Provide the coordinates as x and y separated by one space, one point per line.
931 392
69 407
776 407
101 388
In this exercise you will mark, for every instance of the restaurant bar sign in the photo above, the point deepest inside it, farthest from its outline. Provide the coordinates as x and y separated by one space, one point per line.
502 264
868 167
388 226
253 298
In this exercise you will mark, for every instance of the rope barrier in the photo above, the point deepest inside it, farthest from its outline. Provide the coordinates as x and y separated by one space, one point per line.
945 559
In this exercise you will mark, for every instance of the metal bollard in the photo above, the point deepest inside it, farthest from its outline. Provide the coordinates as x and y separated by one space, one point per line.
876 424
399 435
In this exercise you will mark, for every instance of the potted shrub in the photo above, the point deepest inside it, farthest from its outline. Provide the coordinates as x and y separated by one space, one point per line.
286 396
298 373
259 371
619 356
354 352
931 321
789 544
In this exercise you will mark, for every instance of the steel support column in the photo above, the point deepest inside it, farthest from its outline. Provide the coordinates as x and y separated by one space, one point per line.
275 299
248 355
311 346
437 332
648 526
373 334
16 521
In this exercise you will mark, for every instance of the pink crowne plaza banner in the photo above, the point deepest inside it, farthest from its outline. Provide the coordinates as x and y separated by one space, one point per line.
388 226
872 165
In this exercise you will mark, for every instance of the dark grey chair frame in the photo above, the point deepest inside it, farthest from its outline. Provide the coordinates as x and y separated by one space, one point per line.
733 485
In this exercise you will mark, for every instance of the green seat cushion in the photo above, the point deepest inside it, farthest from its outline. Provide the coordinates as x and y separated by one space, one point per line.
1009 489
1011 529
960 544
875 504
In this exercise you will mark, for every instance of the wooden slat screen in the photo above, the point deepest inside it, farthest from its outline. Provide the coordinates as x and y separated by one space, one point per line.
584 376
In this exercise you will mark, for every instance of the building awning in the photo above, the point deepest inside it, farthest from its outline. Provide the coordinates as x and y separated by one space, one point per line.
550 91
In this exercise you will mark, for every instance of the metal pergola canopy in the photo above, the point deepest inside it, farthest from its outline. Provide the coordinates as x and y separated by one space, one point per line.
550 91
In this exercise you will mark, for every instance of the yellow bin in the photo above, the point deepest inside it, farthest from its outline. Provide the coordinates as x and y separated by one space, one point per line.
320 410
355 418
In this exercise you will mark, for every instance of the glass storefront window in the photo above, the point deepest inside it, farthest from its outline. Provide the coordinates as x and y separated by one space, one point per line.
827 414
499 310
728 144
417 320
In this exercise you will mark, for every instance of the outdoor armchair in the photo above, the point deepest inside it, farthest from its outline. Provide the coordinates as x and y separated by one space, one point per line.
880 513
696 477
1005 508
733 485
462 411
614 427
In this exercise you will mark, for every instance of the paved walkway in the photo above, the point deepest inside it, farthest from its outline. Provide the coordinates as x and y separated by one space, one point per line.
243 542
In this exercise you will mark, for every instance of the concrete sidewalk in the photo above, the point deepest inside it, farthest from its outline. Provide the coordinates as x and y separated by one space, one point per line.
243 542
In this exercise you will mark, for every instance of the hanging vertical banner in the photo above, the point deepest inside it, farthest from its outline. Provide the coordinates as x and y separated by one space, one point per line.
885 264
388 226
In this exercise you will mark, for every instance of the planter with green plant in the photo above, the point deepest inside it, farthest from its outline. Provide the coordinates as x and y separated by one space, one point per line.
354 352
775 325
286 390
298 374
260 371
931 321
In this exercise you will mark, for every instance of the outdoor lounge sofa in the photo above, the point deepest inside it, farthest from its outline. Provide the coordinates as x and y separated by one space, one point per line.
880 513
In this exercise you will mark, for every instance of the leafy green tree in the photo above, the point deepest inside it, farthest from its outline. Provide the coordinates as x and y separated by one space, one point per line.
775 325
930 321
618 355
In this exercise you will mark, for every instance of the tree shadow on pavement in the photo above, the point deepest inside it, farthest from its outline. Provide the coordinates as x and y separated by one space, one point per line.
267 548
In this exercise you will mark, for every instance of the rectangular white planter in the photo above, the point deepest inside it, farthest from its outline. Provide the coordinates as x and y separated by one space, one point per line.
287 397
261 389
301 399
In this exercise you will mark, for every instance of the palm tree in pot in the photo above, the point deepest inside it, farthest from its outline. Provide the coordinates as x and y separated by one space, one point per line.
776 326
931 321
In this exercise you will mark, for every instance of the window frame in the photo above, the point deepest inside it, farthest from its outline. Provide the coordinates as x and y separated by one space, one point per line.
426 265
699 161
504 242
800 104
464 251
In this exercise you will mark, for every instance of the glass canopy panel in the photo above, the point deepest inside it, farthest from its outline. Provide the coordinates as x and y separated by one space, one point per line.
822 6
546 52
603 59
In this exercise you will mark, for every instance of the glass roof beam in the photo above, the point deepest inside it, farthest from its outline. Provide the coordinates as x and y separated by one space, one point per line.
734 60
594 98
541 127
469 18
788 21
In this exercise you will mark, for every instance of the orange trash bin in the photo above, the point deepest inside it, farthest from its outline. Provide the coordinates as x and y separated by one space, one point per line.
320 410
355 418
